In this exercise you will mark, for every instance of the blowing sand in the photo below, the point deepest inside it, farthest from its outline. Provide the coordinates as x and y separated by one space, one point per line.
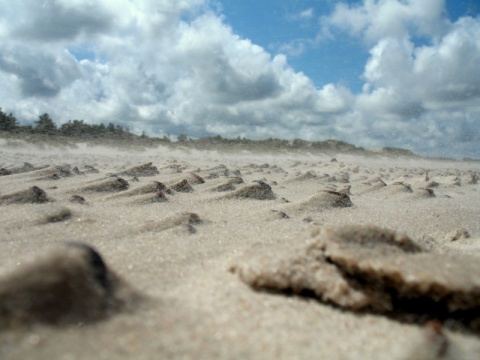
111 254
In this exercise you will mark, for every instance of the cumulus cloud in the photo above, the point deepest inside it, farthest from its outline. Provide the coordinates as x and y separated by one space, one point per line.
55 20
171 67
419 95
160 66
376 19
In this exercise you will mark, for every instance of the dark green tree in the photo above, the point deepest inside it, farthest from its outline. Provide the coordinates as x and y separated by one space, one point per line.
45 125
182 138
7 122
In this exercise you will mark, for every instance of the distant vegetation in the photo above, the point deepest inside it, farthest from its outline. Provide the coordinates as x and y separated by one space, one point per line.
45 130
73 128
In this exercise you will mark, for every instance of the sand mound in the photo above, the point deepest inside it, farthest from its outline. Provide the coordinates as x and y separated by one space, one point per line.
27 167
260 190
309 175
228 184
182 186
369 186
69 284
109 185
325 199
424 193
149 188
156 197
141 170
53 213
56 172
369 268
30 196
184 220
397 188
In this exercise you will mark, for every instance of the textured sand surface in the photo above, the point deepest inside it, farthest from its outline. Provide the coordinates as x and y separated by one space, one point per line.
201 255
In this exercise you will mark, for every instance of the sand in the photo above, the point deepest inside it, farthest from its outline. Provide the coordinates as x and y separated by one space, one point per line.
182 254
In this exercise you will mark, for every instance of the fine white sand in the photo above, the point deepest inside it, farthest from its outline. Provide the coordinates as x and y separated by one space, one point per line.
176 249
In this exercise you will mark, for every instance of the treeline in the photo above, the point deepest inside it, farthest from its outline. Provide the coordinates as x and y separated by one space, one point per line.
73 128
270 143
78 129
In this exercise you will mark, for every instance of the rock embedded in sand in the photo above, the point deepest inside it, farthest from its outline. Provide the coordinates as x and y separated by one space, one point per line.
369 268
30 196
66 285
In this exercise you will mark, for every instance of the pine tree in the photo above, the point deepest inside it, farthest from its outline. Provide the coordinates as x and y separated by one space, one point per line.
7 122
45 125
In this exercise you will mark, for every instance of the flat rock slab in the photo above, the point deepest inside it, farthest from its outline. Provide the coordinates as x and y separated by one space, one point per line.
366 268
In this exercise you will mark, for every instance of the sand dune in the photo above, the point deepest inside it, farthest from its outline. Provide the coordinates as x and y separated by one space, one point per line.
201 255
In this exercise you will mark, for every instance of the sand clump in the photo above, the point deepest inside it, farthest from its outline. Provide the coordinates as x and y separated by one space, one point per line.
141 170
374 269
31 195
259 190
323 200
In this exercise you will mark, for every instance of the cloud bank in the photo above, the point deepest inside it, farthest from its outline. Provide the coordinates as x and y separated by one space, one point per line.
171 67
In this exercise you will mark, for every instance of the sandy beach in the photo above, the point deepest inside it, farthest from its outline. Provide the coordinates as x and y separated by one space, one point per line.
184 254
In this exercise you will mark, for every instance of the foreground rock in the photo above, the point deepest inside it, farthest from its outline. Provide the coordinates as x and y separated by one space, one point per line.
69 284
365 268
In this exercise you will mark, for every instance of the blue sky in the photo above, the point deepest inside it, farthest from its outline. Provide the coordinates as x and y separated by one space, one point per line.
375 73
281 25
276 24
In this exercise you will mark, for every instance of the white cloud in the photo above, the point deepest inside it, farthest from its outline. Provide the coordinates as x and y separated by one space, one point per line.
422 96
376 19
156 71
307 13
168 66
